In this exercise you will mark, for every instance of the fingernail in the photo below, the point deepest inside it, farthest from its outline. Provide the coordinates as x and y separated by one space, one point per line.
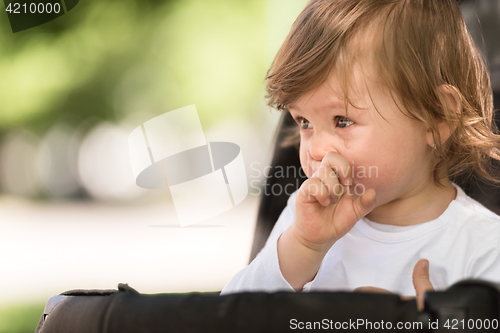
328 202
425 264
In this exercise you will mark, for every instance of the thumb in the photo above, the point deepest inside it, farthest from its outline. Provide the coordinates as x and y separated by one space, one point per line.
365 203
421 281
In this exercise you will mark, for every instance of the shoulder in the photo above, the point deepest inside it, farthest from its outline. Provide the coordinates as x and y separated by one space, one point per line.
474 212
477 221
474 231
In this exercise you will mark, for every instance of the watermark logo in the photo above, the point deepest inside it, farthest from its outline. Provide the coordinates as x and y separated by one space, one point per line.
28 14
284 180
205 178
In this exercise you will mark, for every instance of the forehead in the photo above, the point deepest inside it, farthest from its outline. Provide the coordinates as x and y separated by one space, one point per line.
322 97
353 89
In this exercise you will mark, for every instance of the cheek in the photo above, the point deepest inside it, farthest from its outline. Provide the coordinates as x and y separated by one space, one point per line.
372 170
304 160
371 160
388 164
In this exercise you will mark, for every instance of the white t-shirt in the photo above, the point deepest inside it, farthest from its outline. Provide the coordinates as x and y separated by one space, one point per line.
461 243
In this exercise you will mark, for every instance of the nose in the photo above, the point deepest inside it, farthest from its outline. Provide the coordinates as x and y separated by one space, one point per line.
320 144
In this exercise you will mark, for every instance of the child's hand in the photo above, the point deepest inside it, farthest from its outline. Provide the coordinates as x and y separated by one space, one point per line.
325 210
326 207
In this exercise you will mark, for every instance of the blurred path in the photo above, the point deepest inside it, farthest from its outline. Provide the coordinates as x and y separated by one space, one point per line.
47 248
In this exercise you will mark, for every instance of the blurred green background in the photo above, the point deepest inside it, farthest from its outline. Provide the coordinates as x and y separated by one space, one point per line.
85 79
121 63
114 58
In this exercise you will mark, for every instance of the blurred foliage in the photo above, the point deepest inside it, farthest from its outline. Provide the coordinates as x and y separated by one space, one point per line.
20 318
110 59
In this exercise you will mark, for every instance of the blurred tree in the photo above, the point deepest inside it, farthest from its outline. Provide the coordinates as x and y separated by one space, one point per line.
111 58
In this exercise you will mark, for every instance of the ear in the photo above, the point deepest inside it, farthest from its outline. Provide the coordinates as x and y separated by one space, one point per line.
450 99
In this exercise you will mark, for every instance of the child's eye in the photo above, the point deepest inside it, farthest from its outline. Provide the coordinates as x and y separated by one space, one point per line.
343 122
304 123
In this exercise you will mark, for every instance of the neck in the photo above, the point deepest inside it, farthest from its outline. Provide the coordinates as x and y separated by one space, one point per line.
421 204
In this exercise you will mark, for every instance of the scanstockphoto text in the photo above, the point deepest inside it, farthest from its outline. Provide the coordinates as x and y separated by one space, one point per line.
260 177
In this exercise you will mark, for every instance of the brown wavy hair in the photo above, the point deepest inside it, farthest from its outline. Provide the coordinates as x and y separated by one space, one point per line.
419 47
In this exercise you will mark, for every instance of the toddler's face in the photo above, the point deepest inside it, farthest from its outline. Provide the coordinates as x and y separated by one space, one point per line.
392 155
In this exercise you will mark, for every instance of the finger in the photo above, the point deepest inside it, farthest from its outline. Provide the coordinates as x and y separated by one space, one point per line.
329 178
372 290
365 203
313 190
421 281
340 166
